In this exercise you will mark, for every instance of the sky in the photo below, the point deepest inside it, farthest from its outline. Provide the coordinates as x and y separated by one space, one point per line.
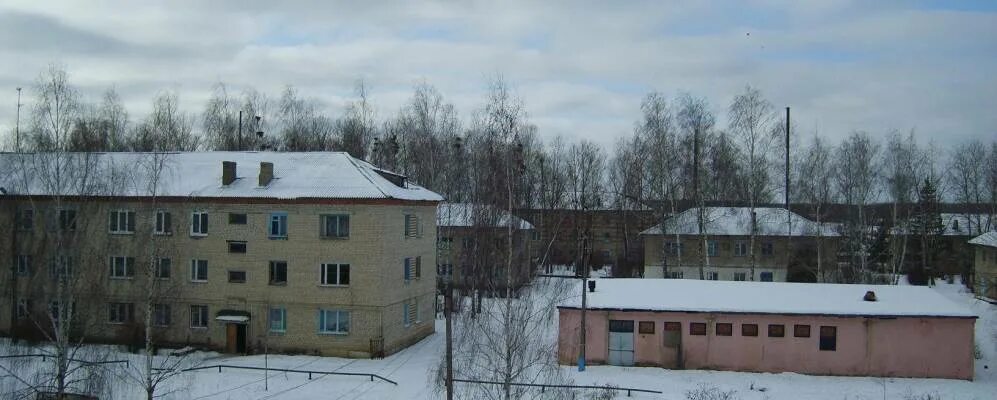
581 68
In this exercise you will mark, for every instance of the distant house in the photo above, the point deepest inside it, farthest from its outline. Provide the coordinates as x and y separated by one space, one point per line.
822 329
674 249
985 264
473 247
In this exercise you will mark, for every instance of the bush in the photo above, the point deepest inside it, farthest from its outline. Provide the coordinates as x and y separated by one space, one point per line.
710 392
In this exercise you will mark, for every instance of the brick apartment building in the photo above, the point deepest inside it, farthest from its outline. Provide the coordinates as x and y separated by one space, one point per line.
294 251
474 249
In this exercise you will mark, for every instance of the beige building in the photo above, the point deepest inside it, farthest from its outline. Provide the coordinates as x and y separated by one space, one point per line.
474 249
297 252
674 249
985 264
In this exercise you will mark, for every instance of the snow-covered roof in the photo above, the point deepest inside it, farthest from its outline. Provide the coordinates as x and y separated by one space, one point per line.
736 221
328 175
966 224
688 295
466 215
988 239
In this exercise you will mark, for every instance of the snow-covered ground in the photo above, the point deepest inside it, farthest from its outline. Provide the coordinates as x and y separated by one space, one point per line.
412 369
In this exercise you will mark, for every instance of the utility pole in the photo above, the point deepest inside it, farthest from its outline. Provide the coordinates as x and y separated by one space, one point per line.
585 279
17 124
447 309
240 131
789 215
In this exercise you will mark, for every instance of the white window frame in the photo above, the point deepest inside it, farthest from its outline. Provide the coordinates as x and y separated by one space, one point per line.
282 322
195 265
162 223
121 222
202 316
199 223
281 220
712 275
712 248
337 329
337 269
125 313
740 248
122 267
338 234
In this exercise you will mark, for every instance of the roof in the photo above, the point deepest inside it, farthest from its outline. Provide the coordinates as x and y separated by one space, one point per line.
966 224
988 239
687 295
736 221
297 175
467 215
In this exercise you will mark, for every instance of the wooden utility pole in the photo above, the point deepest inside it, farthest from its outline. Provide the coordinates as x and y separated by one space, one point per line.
789 215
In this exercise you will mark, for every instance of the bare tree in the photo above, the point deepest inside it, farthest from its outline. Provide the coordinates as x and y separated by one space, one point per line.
220 120
663 168
696 121
302 126
55 112
357 128
814 187
626 176
903 165
967 172
856 180
166 128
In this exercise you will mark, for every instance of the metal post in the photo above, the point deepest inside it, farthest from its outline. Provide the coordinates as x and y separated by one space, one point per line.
447 307
17 124
585 278
240 131
789 216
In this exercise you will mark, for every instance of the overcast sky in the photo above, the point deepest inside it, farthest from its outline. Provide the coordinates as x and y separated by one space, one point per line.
581 68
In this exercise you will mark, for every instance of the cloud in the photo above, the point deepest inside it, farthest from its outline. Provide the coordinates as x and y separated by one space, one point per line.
580 67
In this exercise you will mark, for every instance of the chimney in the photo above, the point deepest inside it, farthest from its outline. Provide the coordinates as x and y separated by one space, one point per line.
869 296
266 173
592 286
228 172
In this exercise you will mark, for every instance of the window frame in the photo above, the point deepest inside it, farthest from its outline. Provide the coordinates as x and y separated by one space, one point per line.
712 276
712 248
121 222
272 274
801 330
162 310
763 274
23 308
195 266
282 326
202 316
776 330
238 219
281 220
741 248
742 275
645 327
323 322
338 274
828 342
767 249
697 329
723 329
338 235
749 330
25 219
127 266
68 219
412 226
162 224
245 276
158 273
235 245
199 223
23 267
125 313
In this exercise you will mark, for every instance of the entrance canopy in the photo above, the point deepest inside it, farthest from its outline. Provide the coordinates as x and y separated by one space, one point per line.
234 316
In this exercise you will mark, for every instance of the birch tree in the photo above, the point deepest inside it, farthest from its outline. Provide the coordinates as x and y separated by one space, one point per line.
856 180
696 121
166 128
815 187
967 173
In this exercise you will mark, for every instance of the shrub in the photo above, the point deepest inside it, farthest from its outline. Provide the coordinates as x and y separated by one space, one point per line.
710 392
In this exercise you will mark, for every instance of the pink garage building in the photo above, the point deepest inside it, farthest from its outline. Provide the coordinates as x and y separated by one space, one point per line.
821 329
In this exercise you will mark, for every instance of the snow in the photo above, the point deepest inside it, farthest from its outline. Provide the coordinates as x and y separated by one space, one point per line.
736 221
329 175
965 224
413 366
232 318
689 295
988 239
466 215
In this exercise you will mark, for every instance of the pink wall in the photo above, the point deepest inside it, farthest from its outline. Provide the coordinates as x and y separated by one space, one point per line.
901 347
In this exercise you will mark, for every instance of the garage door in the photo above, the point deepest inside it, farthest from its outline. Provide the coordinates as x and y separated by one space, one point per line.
621 343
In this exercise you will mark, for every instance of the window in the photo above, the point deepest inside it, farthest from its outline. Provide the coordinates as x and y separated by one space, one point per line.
766 276
409 310
335 322
673 326
335 274
724 329
535 235
674 275
23 308
198 270
446 243
238 247
336 226
122 267
645 327
740 276
828 338
712 248
237 277
61 267
278 272
801 330
67 220
740 248
697 329
164 223
23 265
412 226
198 316
237 219
674 249
767 249
26 219
199 223
444 270
163 268
120 313
121 221
161 315
777 330
59 313
278 225
413 268
749 329
712 276
278 320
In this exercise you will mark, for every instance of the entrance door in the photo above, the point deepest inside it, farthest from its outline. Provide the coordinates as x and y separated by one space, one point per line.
235 338
621 343
671 351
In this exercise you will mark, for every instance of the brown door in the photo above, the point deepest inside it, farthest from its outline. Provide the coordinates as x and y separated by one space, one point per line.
671 349
231 338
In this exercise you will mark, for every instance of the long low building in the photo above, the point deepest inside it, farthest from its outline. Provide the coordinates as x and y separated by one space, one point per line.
822 329
318 252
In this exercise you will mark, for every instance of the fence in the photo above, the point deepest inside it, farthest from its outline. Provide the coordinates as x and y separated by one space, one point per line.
300 371
544 386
